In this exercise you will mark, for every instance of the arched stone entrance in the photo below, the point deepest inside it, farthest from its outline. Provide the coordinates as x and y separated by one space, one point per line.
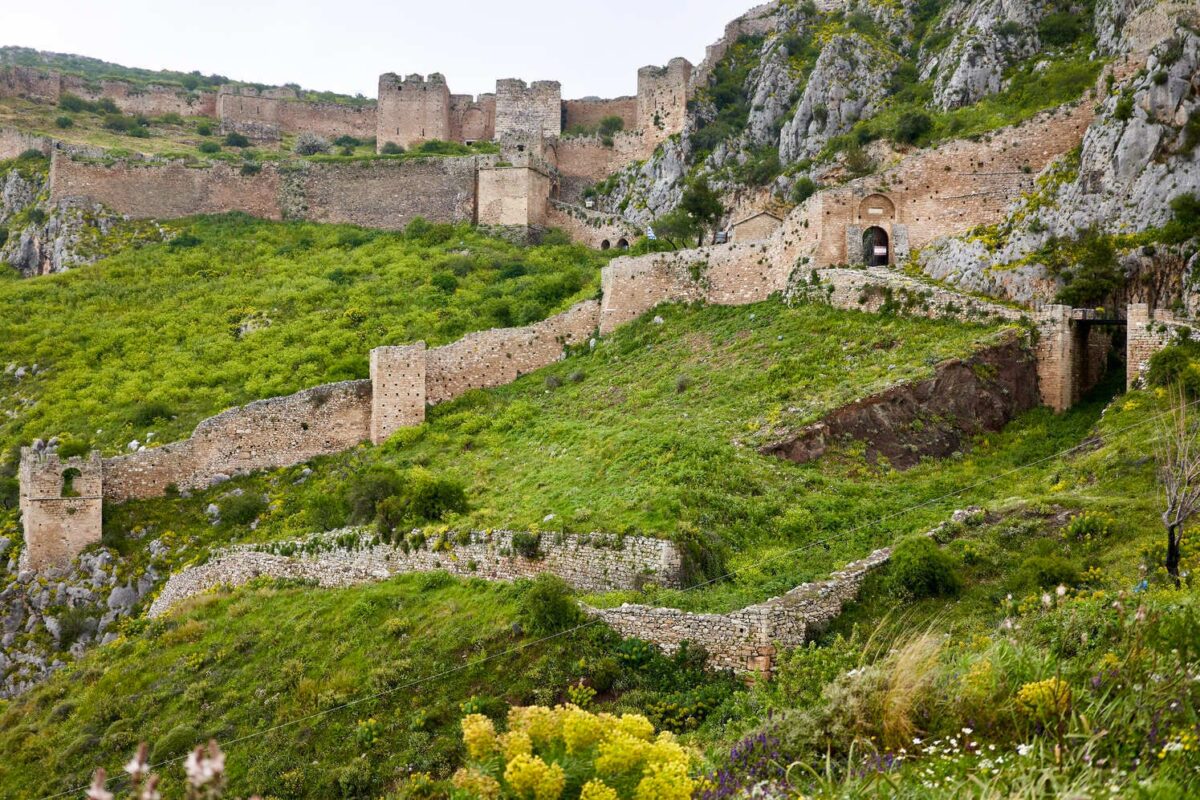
877 251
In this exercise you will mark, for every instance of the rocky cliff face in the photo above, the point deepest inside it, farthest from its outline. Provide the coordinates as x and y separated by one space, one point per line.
41 237
1142 152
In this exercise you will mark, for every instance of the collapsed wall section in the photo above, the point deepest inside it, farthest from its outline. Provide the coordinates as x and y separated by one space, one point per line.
61 506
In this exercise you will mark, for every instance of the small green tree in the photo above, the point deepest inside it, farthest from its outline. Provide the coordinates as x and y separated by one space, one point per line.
703 205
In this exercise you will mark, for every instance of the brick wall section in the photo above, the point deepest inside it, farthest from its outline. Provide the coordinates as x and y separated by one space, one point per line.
589 112
590 562
497 357
247 111
522 110
1148 332
265 434
386 193
397 389
748 640
166 189
58 528
591 228
13 143
412 109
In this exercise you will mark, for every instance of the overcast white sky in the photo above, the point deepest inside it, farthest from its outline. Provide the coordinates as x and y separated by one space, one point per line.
593 47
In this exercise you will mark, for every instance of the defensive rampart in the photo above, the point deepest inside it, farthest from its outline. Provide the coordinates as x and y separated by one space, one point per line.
255 113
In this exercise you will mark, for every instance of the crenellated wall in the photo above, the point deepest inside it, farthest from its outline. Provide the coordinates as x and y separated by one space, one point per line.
412 109
528 110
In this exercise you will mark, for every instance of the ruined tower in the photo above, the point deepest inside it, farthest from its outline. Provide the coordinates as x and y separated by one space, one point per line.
397 389
528 110
61 503
412 110
662 99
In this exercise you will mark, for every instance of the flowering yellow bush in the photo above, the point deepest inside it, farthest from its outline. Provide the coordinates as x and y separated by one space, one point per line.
1045 699
614 757
530 777
479 735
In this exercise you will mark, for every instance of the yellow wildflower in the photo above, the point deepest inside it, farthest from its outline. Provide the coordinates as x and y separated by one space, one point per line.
620 753
516 743
665 782
1043 699
542 724
476 784
636 726
531 778
596 790
580 730
479 735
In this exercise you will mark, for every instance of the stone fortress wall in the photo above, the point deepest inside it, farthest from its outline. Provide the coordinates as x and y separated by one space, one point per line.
49 86
589 562
262 116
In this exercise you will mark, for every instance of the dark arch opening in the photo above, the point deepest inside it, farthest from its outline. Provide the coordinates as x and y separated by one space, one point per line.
605 244
623 244
876 249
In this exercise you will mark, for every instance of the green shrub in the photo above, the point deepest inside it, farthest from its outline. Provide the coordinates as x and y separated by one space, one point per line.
74 622
36 215
368 489
204 129
234 139
10 491
1090 525
1124 108
805 188
1061 28
346 141
153 411
416 496
310 144
3 234
64 121
70 102
546 606
911 126
209 147
242 509
391 149
920 569
170 118
1176 365
527 544
178 741
635 653
1046 568
250 168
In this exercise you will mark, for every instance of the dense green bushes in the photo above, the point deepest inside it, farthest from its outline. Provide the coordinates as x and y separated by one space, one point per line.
546 606
920 569
234 310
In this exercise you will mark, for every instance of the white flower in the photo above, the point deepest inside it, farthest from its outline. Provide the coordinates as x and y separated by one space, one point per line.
968 731
1061 591
137 766
97 790
916 740
1047 601
1024 749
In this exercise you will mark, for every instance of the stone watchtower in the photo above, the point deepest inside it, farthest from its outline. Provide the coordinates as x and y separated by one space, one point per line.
61 504
411 110
397 389
662 99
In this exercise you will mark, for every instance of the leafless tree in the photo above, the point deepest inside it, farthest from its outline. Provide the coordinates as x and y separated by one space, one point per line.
1178 450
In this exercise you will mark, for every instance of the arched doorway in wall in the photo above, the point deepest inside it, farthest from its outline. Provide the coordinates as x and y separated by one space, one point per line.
623 244
605 244
876 247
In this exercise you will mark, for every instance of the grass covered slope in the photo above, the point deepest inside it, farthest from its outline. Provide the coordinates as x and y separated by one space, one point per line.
234 310
275 655
653 433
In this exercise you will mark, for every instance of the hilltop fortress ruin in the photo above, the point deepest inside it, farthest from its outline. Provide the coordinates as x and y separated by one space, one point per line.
535 181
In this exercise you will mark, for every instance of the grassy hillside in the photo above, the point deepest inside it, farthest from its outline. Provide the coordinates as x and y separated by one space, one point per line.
275 655
155 339
654 433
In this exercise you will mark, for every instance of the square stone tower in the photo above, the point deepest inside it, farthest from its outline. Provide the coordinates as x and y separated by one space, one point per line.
61 506
412 110
662 99
525 111
397 389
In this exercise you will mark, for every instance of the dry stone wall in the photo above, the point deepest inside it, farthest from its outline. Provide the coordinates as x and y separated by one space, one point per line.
589 562
48 86
251 112
749 639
